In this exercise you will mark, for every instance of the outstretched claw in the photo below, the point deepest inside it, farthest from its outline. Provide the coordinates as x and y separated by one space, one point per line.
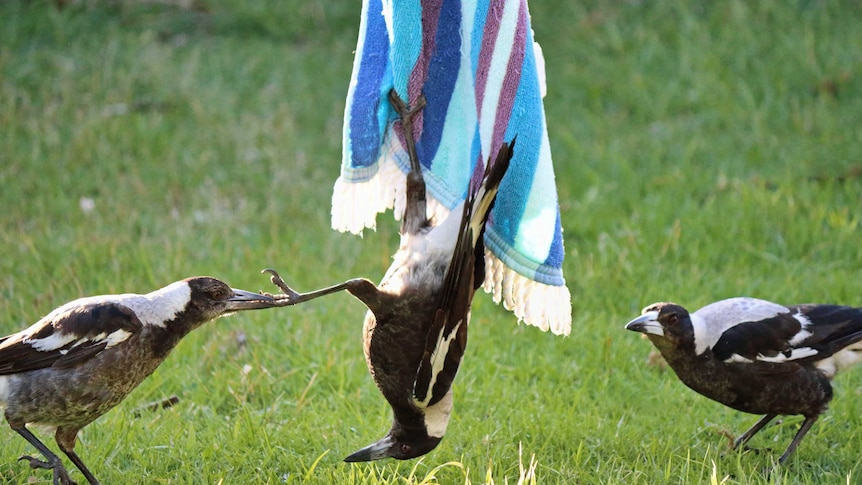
277 280
61 476
290 297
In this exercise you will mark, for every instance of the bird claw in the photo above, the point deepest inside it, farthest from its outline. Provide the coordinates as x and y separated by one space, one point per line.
61 476
288 296
35 462
404 111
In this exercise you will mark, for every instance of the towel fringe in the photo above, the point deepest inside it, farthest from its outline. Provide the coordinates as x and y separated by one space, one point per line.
544 306
355 207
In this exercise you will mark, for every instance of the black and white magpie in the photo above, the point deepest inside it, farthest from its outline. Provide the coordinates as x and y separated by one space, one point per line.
83 358
757 356
415 331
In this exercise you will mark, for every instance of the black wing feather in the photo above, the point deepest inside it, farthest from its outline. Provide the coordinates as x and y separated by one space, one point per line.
767 337
832 328
459 286
85 322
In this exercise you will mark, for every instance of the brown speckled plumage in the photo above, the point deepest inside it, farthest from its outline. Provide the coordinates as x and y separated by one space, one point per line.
83 358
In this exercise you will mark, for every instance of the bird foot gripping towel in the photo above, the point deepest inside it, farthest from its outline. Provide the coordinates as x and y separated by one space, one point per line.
483 79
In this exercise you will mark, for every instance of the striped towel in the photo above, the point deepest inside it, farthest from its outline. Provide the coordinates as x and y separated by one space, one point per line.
483 78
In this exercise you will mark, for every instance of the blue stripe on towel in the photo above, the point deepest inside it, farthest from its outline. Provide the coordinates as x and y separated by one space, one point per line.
365 143
442 74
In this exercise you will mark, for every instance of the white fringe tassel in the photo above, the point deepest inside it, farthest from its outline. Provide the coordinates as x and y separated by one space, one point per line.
544 306
355 207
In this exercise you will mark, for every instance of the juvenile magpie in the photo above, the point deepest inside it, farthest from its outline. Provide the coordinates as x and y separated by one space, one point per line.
415 331
83 358
757 356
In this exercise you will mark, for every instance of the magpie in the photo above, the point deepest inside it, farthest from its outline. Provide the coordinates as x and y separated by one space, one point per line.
83 358
415 330
757 356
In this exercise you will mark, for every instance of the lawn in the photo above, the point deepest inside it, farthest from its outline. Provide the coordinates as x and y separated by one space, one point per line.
703 150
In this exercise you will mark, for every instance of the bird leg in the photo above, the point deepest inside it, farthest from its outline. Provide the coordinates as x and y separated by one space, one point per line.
291 297
407 114
53 462
415 216
80 464
803 430
744 437
66 437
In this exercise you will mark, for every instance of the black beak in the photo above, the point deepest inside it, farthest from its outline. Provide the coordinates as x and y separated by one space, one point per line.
247 300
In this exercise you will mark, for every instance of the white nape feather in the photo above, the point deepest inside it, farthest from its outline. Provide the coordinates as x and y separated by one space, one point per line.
711 321
437 416
162 305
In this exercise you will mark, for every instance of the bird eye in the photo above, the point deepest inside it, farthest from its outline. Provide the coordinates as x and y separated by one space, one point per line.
404 448
218 293
673 319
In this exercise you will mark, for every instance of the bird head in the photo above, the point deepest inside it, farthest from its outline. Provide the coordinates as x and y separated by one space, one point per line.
400 443
665 324
212 298
413 433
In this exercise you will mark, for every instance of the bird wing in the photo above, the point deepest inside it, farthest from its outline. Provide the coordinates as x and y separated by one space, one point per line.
805 333
447 336
67 337
832 327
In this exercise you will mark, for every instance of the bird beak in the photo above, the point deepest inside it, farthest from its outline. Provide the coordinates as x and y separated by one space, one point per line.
247 300
646 323
374 451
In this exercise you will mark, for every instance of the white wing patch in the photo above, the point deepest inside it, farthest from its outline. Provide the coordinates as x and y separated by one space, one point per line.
438 360
53 342
737 359
58 340
803 333
795 354
116 337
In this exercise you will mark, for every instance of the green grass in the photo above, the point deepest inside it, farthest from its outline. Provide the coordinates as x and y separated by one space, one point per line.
703 150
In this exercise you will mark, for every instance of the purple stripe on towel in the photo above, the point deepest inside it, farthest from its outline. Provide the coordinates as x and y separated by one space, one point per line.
486 53
419 73
512 80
